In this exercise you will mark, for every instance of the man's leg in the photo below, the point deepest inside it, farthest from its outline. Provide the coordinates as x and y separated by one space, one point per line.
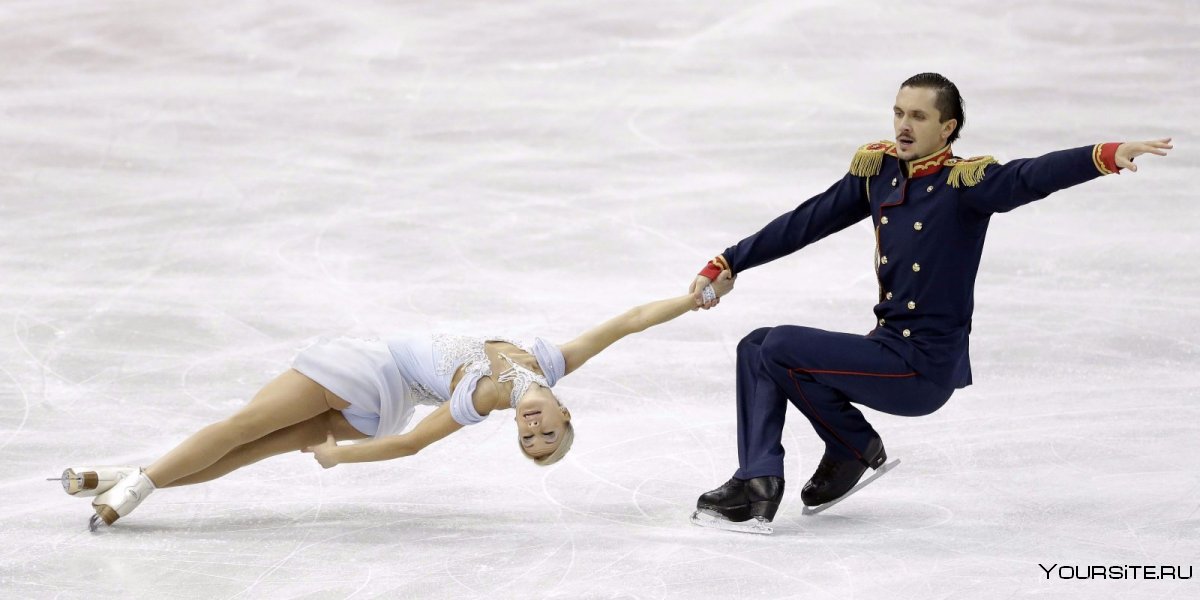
823 372
756 488
761 408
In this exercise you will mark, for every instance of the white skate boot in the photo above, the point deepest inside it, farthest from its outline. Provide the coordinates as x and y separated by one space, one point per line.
90 481
121 499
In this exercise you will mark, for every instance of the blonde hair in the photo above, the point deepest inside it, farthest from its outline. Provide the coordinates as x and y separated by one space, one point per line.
564 446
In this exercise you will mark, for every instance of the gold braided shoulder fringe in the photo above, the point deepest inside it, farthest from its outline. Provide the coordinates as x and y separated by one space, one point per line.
868 160
968 171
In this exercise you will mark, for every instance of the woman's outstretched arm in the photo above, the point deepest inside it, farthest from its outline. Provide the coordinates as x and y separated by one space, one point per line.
639 318
435 426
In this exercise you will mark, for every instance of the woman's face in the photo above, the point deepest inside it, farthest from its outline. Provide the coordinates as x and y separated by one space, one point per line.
540 421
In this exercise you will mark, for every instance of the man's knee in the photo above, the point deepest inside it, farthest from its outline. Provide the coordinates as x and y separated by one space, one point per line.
786 346
752 340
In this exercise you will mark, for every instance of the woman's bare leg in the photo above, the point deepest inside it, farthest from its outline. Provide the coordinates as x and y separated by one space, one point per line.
289 399
288 439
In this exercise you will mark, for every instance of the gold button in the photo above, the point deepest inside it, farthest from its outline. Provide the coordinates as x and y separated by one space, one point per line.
916 267
883 260
929 189
881 322
883 220
888 296
917 225
906 333
912 305
893 182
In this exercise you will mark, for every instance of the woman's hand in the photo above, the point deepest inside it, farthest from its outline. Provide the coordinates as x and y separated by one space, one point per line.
325 453
697 292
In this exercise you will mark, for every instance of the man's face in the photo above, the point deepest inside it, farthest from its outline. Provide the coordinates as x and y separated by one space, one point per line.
918 123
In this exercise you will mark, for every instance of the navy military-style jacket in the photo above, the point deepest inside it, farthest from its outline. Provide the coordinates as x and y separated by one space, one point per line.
930 218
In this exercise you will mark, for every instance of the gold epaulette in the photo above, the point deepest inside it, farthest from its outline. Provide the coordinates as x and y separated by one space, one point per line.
967 171
869 158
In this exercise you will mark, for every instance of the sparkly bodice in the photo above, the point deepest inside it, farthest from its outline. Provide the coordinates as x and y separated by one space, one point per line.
452 351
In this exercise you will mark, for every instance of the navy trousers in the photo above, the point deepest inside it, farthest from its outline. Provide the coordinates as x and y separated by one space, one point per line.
823 374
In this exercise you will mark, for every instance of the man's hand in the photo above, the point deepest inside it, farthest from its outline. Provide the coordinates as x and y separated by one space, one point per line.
325 453
1128 151
722 285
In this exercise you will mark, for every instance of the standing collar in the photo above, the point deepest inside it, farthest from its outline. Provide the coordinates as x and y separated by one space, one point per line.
928 165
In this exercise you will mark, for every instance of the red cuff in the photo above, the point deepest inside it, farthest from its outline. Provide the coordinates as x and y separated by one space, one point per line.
714 267
1105 157
711 270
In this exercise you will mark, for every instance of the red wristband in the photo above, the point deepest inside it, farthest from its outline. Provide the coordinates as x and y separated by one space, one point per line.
711 270
714 267
1105 157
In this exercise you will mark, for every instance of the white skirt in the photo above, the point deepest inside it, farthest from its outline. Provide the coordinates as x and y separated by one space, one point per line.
363 373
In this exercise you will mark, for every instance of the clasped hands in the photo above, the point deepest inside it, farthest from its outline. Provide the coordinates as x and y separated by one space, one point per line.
722 286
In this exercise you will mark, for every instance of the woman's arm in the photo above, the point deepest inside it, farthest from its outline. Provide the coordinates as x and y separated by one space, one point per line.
639 318
435 426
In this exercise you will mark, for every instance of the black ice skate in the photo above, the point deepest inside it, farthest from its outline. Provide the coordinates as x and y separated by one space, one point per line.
747 506
835 480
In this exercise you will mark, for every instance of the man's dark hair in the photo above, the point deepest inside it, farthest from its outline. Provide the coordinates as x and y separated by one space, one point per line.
949 101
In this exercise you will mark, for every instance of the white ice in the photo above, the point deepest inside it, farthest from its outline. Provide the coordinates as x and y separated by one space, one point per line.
191 190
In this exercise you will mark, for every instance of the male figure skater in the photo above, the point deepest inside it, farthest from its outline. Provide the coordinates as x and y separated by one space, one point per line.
930 210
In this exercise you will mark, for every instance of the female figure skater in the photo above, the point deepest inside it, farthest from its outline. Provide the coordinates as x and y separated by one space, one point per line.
349 389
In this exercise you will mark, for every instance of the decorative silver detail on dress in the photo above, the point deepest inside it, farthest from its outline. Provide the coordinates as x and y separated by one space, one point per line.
521 377
451 351
454 350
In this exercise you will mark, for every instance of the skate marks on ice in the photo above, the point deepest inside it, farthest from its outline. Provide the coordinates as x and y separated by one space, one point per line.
5 403
623 484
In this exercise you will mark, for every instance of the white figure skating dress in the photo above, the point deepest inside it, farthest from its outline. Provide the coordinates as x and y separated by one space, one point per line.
384 380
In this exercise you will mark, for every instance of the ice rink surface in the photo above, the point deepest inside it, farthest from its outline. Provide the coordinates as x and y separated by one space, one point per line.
190 192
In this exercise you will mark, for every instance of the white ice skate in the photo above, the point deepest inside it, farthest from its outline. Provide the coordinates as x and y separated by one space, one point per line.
91 481
715 520
121 499
812 510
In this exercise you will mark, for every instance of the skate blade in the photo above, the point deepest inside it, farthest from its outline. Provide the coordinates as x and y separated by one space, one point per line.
94 523
812 510
757 525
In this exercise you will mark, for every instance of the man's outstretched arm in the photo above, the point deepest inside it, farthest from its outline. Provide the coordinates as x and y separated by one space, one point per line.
842 205
1003 187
